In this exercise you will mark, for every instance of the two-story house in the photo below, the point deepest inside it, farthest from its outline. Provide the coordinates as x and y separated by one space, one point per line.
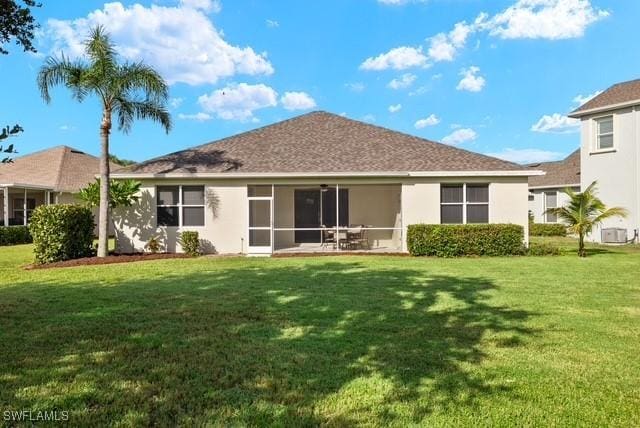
610 151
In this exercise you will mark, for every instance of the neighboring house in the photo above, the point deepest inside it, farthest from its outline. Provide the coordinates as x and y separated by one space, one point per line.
610 151
290 185
546 191
51 176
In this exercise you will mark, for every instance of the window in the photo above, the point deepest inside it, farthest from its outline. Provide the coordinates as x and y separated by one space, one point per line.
18 209
550 201
532 197
180 205
604 129
464 203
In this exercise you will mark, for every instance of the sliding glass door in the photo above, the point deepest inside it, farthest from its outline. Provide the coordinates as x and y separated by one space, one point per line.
316 208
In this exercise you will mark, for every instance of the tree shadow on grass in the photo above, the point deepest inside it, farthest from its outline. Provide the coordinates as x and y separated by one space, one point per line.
262 343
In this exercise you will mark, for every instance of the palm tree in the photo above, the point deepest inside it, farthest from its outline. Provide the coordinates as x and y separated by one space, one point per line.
129 90
584 211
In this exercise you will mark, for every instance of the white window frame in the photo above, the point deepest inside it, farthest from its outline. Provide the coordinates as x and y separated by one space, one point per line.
597 134
180 205
546 207
465 203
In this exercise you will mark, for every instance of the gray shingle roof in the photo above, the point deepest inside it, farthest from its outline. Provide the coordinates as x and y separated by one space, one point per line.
558 174
617 94
59 168
321 142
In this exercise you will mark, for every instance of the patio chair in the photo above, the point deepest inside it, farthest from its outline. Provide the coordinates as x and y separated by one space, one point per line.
360 240
328 236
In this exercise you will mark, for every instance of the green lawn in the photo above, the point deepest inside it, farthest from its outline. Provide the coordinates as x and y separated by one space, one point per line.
546 341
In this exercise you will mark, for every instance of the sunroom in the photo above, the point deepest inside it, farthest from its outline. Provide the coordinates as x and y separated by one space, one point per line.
324 217
18 201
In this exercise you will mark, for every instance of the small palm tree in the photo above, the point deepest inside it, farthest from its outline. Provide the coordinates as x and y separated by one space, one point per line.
130 91
584 211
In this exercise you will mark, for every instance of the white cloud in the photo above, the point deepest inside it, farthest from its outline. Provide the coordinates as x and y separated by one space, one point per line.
67 128
271 23
444 47
557 124
403 81
176 102
460 136
429 121
200 116
471 81
297 101
399 58
394 108
581 99
355 86
399 2
181 42
205 5
543 19
238 102
526 155
369 118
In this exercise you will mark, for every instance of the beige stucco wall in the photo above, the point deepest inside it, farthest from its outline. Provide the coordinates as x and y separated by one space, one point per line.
618 171
537 206
383 203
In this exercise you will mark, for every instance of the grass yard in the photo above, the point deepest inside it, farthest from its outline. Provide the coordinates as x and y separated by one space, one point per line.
546 341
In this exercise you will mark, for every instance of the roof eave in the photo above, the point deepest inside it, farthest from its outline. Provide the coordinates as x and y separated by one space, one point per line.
389 174
576 114
554 186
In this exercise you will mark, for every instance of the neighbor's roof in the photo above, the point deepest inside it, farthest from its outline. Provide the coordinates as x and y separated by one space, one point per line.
60 168
320 143
618 95
558 174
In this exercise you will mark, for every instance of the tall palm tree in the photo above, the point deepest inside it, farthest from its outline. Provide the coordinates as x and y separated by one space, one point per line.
584 211
129 91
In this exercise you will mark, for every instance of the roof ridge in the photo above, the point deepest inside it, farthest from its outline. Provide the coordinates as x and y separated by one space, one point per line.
65 150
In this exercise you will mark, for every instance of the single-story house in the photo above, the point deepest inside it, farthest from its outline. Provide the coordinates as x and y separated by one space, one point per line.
304 183
51 176
546 191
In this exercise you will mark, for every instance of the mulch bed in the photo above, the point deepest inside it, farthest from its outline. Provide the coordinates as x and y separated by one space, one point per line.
111 259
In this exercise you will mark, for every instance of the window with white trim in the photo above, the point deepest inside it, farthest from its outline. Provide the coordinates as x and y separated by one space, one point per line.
180 205
550 201
464 203
604 133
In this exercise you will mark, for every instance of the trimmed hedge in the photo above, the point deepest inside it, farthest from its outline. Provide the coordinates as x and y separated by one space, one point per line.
542 249
547 229
62 232
448 240
14 235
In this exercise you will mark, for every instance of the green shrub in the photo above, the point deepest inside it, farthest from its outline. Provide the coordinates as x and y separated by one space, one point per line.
547 229
14 235
61 232
190 242
465 240
542 249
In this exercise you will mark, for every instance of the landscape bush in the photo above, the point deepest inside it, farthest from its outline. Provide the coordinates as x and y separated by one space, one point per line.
547 229
61 232
190 242
542 249
14 235
465 240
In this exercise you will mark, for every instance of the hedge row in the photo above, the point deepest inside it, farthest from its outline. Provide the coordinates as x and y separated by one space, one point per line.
14 235
61 232
465 240
547 229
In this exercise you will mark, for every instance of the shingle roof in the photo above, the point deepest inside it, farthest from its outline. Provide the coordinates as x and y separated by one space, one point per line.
619 93
59 168
321 142
558 174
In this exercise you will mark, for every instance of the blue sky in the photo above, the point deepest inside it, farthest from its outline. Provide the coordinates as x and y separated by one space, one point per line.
495 76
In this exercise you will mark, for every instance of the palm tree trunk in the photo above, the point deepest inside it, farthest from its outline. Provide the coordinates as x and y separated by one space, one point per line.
103 216
581 251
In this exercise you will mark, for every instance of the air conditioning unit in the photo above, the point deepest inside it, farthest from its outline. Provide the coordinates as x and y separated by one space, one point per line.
614 235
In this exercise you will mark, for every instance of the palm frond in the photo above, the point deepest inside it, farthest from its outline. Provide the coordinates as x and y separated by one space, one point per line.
99 48
128 110
62 71
136 77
